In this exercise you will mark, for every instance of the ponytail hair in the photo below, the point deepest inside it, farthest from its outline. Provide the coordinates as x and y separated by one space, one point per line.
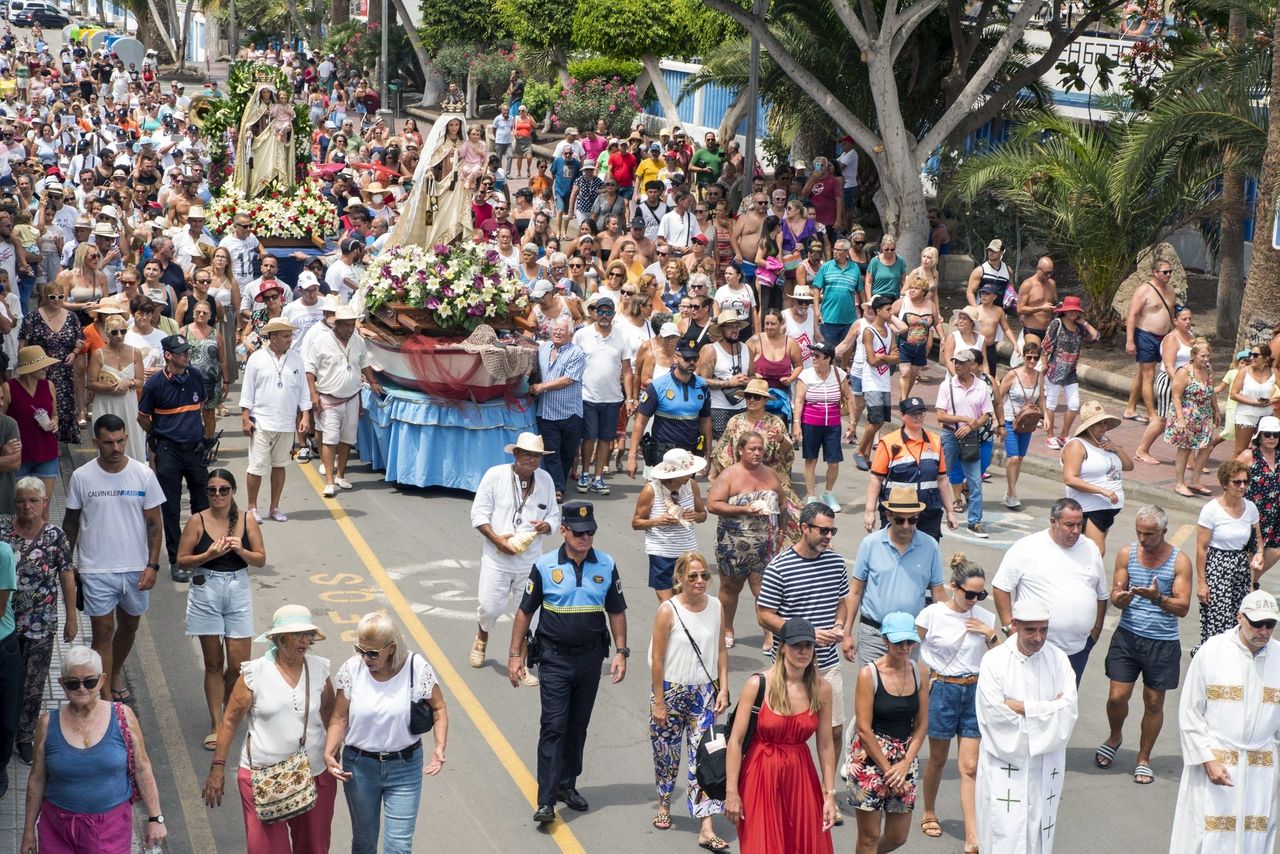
962 569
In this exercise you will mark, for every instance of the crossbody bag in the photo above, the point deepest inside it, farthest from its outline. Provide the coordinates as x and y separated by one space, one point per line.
285 789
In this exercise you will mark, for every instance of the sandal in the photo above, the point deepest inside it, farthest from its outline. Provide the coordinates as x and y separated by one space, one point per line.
1144 771
662 821
715 843
122 696
729 641
931 828
1200 490
211 741
1187 494
1105 755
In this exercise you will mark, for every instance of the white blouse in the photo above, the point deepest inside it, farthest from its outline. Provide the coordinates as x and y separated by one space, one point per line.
275 718
378 719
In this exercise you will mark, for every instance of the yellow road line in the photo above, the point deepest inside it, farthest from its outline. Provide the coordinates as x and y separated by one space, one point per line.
458 688
1180 536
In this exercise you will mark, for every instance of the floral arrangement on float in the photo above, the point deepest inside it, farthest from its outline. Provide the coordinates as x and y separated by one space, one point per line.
297 213
443 288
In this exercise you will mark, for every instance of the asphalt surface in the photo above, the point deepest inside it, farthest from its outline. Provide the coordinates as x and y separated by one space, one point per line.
413 553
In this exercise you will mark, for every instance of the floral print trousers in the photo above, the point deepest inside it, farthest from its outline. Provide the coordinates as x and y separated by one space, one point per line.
690 710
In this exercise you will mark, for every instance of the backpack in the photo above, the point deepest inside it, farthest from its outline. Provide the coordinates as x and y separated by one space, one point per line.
713 773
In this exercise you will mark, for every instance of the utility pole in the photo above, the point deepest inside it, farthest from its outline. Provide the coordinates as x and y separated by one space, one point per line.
387 115
753 104
235 33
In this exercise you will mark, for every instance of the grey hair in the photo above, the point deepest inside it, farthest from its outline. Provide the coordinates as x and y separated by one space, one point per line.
1152 513
564 319
559 258
1062 504
382 630
80 656
842 243
30 484
701 279
161 243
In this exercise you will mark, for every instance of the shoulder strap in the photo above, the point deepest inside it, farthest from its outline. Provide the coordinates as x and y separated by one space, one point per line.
692 642
875 676
306 707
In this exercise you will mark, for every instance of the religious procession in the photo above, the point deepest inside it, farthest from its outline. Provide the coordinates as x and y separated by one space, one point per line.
478 366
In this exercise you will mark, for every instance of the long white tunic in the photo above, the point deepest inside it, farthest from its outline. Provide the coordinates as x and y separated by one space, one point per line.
1229 711
1022 764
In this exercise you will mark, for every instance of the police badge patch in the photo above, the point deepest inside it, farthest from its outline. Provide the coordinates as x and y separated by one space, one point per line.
618 585
598 579
557 575
671 394
528 586
644 395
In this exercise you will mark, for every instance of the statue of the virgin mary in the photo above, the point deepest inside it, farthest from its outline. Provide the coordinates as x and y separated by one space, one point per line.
265 144
438 208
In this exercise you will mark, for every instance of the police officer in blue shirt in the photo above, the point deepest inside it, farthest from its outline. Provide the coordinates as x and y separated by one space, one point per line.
171 411
576 587
680 405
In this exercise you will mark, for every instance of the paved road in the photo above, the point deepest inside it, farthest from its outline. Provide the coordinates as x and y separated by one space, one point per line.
412 553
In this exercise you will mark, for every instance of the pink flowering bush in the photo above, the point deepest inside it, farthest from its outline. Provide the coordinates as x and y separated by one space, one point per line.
582 102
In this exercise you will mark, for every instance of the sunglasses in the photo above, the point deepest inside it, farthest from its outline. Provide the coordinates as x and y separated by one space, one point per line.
55 297
217 490
371 653
576 266
906 520
116 333
699 576
824 531
617 275
1257 624
604 312
1269 435
92 682
1239 482
577 534
1254 355
980 595
627 293
1163 272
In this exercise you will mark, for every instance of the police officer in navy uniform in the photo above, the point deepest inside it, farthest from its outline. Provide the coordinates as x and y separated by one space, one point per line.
680 405
580 594
170 410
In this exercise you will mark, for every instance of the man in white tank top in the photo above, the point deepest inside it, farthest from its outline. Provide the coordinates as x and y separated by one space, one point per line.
992 272
800 321
727 367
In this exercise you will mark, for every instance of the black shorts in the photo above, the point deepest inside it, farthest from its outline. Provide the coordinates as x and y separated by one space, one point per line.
1156 660
1102 519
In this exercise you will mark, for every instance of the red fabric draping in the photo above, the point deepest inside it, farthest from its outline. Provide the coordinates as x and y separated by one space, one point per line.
435 376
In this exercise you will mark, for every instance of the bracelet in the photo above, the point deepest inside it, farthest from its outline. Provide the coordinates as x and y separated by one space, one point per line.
515 655
221 762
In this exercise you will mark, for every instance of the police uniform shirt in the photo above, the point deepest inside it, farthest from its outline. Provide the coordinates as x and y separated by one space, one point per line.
175 404
676 408
573 598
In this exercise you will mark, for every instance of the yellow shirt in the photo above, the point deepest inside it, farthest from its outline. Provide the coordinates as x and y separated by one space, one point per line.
8 86
648 171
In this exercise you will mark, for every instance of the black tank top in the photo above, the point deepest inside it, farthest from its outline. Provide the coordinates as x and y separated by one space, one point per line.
891 715
229 562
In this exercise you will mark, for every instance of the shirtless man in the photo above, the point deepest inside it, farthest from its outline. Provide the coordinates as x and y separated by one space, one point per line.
646 249
1150 319
1037 298
991 321
744 542
181 200
746 234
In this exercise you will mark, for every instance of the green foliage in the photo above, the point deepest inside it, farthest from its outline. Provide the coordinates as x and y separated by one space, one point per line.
538 22
459 22
452 60
625 30
354 44
540 98
604 67
584 101
491 71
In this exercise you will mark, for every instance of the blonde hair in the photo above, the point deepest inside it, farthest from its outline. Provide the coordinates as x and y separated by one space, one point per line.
778 698
930 252
1198 346
114 321
681 571
379 629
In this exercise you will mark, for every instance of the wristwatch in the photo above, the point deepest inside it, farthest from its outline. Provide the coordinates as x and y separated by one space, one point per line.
157 819
154 566
1008 629
624 651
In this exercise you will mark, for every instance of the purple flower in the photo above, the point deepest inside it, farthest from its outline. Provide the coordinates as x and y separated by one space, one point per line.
491 257
475 310
440 249
446 291
433 303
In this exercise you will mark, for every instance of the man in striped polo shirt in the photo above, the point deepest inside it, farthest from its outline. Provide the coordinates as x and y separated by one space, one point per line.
809 580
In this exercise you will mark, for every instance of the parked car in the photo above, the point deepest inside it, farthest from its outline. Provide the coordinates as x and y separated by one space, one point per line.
44 14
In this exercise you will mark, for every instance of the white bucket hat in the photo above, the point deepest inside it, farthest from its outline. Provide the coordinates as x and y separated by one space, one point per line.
677 462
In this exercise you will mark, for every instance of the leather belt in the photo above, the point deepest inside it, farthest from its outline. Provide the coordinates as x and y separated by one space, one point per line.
968 679
867 621
407 753
569 650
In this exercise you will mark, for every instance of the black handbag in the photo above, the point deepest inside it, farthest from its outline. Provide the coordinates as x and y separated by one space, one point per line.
713 773
971 442
421 716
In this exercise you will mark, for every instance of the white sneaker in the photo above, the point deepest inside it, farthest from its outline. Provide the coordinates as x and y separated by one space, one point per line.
829 499
1011 501
322 471
528 680
329 490
343 483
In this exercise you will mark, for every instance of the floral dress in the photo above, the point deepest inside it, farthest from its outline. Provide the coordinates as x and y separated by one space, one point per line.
205 359
1264 492
58 345
779 453
1197 410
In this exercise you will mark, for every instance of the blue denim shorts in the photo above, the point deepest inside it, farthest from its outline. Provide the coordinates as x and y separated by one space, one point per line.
1015 444
46 470
600 420
222 606
953 711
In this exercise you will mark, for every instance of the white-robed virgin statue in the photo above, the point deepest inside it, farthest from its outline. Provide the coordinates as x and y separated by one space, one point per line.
265 144
438 209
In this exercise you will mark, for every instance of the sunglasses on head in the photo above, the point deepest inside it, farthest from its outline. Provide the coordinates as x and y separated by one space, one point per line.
1262 624
980 595
92 682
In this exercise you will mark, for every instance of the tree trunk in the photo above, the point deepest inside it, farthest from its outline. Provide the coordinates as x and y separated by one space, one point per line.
1262 289
157 29
561 63
811 140
653 71
736 113
339 12
185 36
424 59
904 213
298 27
1231 223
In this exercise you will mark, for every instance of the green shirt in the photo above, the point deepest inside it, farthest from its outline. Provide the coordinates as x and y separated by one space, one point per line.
886 279
8 581
841 291
713 159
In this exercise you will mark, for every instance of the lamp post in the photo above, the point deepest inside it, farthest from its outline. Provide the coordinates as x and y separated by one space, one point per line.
387 115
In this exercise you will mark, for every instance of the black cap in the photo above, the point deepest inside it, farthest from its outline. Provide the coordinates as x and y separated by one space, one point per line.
578 516
797 630
174 344
878 302
912 404
824 348
637 222
687 350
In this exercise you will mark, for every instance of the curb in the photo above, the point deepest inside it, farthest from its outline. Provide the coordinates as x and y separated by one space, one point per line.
1147 494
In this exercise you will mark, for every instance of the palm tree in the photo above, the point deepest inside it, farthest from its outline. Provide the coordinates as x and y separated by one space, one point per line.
1078 195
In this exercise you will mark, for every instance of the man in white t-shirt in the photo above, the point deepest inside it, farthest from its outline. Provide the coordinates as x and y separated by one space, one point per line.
848 160
268 279
244 248
113 515
607 374
341 278
1064 571
306 311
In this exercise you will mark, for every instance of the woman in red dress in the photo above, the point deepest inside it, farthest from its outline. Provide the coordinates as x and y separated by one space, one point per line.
774 796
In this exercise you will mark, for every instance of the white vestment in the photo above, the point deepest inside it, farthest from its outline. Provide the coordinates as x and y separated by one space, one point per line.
1022 763
1229 711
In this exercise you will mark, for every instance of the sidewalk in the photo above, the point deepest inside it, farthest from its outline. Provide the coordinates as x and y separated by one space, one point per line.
13 806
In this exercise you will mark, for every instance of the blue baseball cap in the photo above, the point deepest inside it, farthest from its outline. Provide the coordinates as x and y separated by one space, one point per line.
898 627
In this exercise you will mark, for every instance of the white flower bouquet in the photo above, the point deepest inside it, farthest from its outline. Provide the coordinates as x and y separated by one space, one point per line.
299 213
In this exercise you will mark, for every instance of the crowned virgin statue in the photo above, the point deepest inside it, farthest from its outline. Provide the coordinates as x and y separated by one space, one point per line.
438 208
265 144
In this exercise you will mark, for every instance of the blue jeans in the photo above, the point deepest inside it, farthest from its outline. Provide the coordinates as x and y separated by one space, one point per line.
394 784
972 473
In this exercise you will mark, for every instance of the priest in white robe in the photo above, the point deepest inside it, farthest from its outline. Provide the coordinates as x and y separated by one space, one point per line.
1027 709
1229 716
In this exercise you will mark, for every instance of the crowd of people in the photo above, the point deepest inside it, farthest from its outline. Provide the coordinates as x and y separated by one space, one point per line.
697 323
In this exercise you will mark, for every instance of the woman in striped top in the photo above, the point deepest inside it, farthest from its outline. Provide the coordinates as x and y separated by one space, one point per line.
818 392
666 510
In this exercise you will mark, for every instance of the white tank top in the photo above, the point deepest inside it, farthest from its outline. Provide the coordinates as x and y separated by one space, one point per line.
729 365
1250 387
681 666
1098 468
803 333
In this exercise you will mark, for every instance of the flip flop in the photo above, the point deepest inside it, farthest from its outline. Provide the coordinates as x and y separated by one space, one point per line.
1141 419
1143 771
1200 490
125 696
729 641
211 741
1105 755
715 843
1187 494
931 828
